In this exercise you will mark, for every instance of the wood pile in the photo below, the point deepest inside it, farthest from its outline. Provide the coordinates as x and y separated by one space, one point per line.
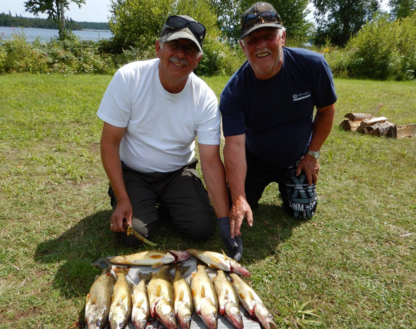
367 123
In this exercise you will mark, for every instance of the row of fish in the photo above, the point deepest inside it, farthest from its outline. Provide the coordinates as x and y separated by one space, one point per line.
171 303
157 258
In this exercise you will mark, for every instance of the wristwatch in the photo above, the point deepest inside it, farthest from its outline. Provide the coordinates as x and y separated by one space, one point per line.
313 154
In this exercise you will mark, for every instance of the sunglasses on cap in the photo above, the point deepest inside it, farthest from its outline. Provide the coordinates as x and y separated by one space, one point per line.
252 19
178 22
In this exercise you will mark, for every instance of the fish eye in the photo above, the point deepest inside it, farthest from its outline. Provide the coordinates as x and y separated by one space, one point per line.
172 315
98 323
143 322
270 316
239 316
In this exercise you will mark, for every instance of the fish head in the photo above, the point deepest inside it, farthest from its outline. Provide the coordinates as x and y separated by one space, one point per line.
96 318
140 324
180 255
95 323
264 316
184 317
139 319
236 267
209 315
164 312
233 314
118 323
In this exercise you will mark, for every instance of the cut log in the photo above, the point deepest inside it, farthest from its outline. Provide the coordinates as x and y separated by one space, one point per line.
380 129
358 116
402 131
349 125
364 125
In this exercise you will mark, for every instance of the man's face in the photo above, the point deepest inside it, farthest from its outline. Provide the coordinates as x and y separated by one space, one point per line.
263 49
178 58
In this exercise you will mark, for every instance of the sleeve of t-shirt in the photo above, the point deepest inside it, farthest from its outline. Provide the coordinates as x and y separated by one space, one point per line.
209 122
233 116
324 86
115 107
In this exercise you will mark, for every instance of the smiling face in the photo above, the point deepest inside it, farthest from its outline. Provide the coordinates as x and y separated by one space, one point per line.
178 58
263 49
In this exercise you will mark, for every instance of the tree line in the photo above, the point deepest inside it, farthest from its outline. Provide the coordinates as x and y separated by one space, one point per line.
136 22
40 23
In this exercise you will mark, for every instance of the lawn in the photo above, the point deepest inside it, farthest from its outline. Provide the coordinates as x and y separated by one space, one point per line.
354 263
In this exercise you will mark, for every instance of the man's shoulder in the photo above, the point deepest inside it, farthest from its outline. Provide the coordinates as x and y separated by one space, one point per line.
199 84
240 76
301 54
138 65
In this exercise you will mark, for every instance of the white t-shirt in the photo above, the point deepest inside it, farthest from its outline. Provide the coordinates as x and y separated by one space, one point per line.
161 127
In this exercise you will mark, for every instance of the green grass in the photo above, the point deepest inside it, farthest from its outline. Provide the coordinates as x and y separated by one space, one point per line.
354 262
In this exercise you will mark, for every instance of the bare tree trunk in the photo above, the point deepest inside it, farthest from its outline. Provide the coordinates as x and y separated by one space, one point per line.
61 18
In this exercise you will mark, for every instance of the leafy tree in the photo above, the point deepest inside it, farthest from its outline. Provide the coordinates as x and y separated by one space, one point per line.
55 10
402 8
137 23
339 20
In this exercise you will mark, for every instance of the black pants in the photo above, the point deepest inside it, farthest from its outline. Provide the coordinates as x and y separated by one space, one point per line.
182 194
299 198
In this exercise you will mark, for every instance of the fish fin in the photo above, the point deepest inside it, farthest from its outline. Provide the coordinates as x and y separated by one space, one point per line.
203 292
88 297
158 290
181 295
157 265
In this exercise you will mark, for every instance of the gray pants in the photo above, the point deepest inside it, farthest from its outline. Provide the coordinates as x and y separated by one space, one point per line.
181 195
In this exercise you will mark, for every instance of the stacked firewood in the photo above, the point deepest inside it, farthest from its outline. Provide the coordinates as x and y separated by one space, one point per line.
367 123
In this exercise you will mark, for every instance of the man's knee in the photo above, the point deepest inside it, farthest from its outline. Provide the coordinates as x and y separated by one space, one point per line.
198 228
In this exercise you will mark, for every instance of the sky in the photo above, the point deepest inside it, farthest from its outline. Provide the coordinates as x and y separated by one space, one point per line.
92 11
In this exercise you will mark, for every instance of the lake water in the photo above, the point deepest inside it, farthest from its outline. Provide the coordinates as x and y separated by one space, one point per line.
46 35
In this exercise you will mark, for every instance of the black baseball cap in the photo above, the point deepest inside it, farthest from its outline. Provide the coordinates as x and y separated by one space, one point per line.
261 14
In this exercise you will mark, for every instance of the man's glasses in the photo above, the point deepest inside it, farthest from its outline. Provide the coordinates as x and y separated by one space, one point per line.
196 28
189 50
252 19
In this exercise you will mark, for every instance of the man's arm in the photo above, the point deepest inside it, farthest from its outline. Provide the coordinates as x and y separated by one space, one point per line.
322 126
110 157
214 177
236 170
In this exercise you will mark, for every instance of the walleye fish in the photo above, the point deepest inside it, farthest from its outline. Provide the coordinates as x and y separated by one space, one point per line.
154 258
205 299
97 306
228 300
160 292
219 261
183 305
120 309
252 302
141 309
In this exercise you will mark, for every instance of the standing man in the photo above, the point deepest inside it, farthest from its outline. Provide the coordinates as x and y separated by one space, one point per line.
152 112
267 109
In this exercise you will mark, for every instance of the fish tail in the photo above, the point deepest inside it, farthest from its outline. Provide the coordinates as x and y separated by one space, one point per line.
145 277
121 270
102 263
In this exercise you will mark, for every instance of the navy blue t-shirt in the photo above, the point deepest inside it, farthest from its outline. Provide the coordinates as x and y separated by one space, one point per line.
277 114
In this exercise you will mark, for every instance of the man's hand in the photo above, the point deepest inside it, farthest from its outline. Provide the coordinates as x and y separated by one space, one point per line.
240 210
121 214
311 168
234 245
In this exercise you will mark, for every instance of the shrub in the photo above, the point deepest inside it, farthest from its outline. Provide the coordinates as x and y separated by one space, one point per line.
384 50
219 59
